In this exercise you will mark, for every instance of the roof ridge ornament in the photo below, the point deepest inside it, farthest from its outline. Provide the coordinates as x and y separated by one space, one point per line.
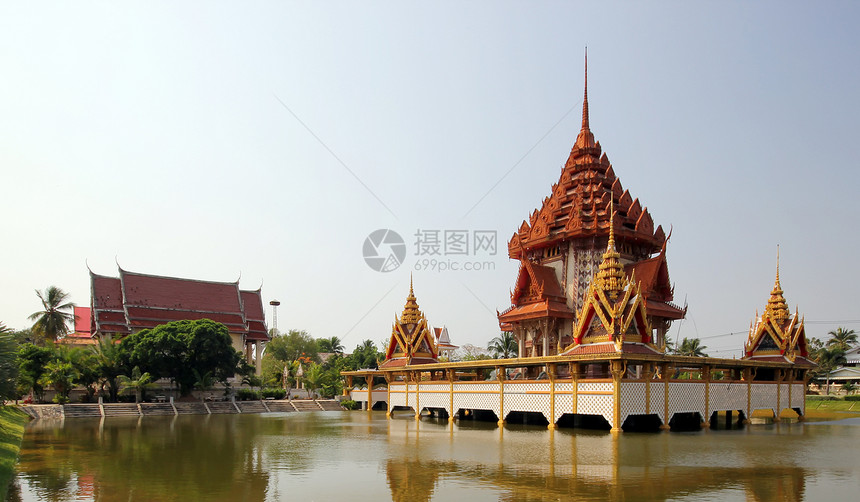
585 139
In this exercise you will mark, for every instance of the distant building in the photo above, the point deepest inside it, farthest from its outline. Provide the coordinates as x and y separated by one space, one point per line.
82 336
133 302
443 342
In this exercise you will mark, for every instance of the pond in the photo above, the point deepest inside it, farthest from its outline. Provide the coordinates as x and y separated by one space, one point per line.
365 456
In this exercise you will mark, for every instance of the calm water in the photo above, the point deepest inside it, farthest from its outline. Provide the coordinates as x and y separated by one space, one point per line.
361 456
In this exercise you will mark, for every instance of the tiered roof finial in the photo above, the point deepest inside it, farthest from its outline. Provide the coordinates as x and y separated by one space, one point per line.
585 139
776 306
585 97
411 312
610 278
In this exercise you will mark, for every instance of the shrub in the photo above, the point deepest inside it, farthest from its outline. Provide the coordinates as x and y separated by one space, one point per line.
247 395
822 398
352 405
274 393
852 398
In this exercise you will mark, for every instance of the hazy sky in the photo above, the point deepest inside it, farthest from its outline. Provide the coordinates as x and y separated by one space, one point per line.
269 139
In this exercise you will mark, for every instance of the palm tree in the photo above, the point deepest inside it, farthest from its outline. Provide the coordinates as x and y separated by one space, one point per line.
314 378
829 358
504 346
109 360
332 345
203 382
692 347
51 322
842 338
60 375
137 383
8 363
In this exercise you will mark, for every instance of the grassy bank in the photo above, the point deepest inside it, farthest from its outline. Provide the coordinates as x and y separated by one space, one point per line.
834 405
12 422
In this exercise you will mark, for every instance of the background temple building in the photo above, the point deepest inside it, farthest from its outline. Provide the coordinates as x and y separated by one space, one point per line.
133 302
562 244
413 341
777 335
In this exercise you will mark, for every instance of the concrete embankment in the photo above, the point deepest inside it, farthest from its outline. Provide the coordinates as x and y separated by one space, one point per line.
54 411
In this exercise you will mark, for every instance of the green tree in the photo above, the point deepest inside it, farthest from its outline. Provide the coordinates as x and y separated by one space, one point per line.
331 345
849 387
843 339
504 346
8 364
59 374
138 383
365 356
52 321
110 364
176 349
314 377
203 381
828 359
86 364
32 360
292 346
692 347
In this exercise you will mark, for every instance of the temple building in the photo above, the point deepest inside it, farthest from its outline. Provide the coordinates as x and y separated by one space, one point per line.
613 317
443 343
561 247
777 335
82 336
412 341
591 307
133 302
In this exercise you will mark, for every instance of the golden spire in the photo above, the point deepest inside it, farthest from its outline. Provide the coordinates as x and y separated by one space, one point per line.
585 97
411 313
776 308
610 278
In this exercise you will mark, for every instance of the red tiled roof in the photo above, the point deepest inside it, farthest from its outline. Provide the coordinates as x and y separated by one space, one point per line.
592 348
106 291
402 361
139 301
536 311
609 348
175 293
83 321
666 310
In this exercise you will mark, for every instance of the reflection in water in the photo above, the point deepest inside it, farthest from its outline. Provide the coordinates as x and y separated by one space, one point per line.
360 455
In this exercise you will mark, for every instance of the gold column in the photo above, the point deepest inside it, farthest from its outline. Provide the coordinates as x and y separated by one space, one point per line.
451 374
369 379
617 368
666 371
575 375
348 386
706 376
417 376
388 390
551 371
648 374
747 375
500 376
780 376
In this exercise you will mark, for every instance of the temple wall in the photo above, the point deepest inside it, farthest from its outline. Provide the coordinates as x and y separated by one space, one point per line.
636 397
582 264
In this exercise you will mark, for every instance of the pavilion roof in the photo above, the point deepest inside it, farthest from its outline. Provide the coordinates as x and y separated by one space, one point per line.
135 301
578 206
